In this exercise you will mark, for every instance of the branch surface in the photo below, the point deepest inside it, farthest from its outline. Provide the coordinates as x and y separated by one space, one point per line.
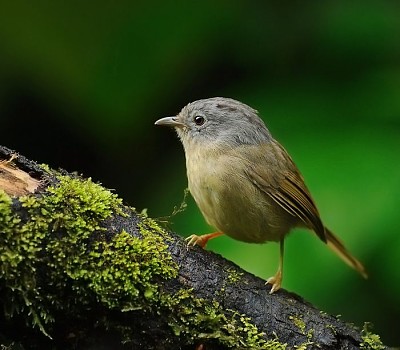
81 270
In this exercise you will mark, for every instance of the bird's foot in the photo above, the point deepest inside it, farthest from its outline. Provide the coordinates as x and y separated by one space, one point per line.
276 282
201 240
193 240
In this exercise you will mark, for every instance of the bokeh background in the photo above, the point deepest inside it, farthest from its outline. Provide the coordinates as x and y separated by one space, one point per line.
81 84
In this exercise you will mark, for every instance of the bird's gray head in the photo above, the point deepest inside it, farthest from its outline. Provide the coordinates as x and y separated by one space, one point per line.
218 121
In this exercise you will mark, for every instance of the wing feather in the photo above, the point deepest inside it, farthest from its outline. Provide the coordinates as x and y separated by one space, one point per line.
287 188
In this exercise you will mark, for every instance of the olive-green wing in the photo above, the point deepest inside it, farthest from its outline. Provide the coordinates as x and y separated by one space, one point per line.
286 186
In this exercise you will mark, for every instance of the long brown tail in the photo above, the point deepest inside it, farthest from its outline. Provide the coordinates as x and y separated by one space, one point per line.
337 246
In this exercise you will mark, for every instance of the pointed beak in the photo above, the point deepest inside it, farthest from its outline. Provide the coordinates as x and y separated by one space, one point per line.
169 121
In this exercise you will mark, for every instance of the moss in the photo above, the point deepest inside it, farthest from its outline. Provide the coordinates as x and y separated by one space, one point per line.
307 343
233 275
298 322
61 233
370 341
46 168
197 320
332 328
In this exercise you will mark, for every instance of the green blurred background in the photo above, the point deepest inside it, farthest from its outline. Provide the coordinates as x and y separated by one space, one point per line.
81 84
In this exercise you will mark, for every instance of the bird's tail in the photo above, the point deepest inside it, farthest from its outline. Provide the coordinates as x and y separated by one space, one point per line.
337 246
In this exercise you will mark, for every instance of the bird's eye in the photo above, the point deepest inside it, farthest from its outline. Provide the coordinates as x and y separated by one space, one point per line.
199 120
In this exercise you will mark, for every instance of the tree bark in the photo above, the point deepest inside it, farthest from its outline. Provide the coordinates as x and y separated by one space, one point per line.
199 300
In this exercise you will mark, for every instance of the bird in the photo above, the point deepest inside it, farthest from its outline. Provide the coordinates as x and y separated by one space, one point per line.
244 181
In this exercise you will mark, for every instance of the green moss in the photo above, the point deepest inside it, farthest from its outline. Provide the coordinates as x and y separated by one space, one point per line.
298 322
46 168
307 343
332 328
61 233
233 275
197 320
370 341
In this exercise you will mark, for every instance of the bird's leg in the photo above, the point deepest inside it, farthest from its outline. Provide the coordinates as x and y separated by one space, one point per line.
276 280
201 240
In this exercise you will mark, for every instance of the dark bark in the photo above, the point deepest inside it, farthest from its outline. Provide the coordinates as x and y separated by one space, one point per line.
209 275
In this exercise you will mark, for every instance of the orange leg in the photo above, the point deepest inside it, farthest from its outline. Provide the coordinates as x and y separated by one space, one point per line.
276 280
201 240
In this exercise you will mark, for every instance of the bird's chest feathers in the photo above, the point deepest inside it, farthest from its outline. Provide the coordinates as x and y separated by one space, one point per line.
227 198
217 192
205 176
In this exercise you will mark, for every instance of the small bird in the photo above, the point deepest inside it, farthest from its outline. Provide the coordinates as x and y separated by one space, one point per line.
244 182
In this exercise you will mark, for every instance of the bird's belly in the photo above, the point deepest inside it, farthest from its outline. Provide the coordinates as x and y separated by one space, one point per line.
237 208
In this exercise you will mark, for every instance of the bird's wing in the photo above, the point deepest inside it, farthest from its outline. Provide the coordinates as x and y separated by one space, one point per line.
280 179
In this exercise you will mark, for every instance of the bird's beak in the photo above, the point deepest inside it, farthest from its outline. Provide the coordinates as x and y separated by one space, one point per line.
169 121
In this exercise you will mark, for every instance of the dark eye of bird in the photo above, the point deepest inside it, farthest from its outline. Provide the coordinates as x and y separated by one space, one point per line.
199 120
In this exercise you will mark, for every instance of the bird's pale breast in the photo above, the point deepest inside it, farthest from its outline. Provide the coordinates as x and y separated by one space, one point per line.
230 201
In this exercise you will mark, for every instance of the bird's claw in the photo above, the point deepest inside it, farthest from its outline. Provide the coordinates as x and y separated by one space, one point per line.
275 281
193 240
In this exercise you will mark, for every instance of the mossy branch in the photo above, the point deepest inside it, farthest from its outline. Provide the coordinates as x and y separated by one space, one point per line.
81 270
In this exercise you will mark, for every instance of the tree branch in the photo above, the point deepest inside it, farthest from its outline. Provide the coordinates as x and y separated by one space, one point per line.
81 270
